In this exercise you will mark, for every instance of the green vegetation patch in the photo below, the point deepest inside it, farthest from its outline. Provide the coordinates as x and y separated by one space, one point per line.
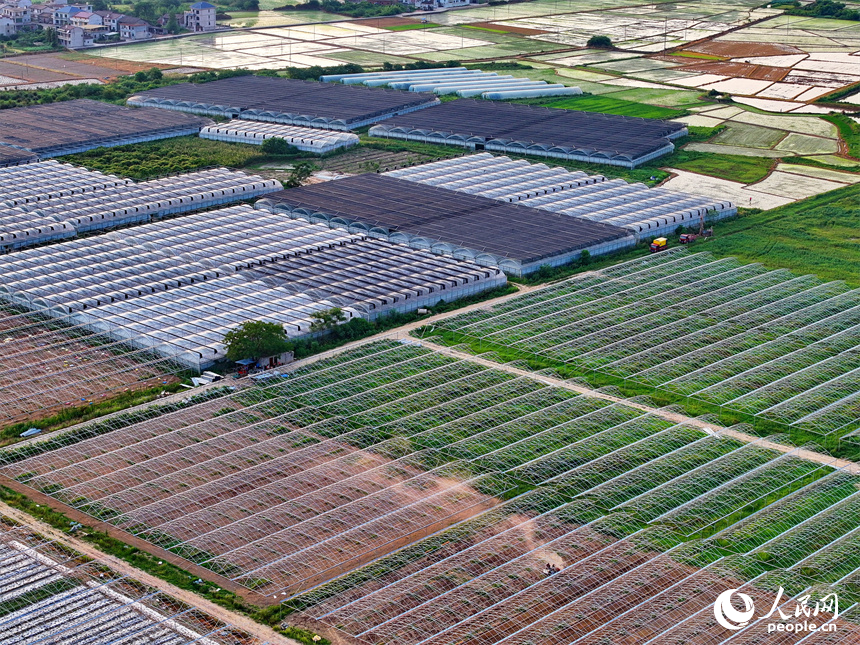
142 161
817 235
803 144
417 25
749 136
746 170
610 105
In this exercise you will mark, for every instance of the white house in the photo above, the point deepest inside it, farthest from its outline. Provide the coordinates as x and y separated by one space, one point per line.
7 27
73 37
84 18
131 28
200 17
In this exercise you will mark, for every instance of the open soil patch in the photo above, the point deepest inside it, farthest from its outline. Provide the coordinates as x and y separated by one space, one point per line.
736 50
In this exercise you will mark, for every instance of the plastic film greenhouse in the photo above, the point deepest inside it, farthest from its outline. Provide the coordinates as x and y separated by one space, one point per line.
68 127
547 132
393 493
146 301
305 139
647 212
36 210
288 101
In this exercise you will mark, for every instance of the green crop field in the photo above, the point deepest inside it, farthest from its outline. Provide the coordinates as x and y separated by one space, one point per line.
609 105
818 235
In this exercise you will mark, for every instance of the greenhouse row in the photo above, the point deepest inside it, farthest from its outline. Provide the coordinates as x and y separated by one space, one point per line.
173 288
68 127
766 343
490 232
50 594
255 133
396 494
525 129
458 80
50 180
647 212
68 215
283 100
10 156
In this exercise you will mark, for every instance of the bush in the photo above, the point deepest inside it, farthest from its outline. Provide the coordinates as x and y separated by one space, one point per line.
825 9
600 42
278 146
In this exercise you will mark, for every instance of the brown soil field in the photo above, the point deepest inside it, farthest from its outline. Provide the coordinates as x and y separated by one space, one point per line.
729 49
523 31
43 371
257 494
44 68
739 70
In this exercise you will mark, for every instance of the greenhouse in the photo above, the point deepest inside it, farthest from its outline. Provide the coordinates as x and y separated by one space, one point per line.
547 132
647 212
68 127
51 594
33 217
10 156
282 100
304 139
766 343
458 80
391 493
489 232
173 288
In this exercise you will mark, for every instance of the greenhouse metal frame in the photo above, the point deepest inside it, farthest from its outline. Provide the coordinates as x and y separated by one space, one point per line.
51 594
456 484
765 343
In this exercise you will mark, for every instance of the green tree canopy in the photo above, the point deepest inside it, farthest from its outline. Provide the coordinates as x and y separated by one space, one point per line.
277 146
600 42
328 319
256 339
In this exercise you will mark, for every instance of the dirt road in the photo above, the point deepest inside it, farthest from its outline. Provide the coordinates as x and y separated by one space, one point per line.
224 615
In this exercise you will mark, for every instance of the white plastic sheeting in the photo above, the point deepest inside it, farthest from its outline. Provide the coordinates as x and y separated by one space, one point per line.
648 212
304 139
69 201
175 287
456 80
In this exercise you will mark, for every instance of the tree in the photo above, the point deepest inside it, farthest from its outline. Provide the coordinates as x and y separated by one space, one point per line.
256 339
278 146
51 37
299 174
327 319
154 74
600 42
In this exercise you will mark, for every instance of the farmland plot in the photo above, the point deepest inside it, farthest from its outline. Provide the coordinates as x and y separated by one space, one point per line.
400 495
